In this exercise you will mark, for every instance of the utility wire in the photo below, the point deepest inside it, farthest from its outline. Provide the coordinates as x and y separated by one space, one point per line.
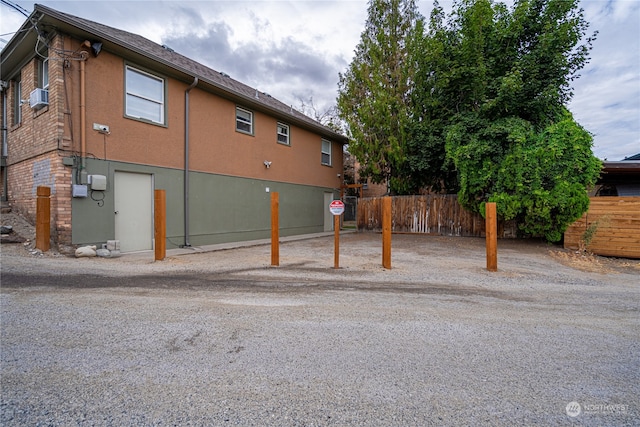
15 7
65 54
20 9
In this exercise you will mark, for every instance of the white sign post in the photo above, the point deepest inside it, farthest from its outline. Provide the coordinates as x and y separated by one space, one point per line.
336 208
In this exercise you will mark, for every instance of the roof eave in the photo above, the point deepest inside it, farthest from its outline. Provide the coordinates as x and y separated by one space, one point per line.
621 167
16 52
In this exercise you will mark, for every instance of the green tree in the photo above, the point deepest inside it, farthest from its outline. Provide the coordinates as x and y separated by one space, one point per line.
540 180
374 93
492 87
427 165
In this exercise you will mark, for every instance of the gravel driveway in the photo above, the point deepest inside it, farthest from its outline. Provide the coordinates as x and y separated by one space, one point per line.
222 338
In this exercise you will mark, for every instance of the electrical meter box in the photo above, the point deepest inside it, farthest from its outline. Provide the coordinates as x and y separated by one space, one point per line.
79 190
98 182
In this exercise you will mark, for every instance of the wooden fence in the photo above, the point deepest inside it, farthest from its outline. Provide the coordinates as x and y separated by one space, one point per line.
615 223
430 214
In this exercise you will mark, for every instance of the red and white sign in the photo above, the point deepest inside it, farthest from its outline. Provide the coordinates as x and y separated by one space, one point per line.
336 207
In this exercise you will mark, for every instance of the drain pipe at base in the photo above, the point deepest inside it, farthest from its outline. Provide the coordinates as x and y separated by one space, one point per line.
187 244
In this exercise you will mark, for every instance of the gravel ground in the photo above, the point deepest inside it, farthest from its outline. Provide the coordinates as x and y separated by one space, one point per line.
223 338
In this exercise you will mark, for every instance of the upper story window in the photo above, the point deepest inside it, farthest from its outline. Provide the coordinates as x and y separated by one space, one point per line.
43 73
326 152
17 101
145 96
244 120
283 134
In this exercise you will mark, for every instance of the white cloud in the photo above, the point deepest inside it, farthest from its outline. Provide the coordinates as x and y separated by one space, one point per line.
295 49
607 96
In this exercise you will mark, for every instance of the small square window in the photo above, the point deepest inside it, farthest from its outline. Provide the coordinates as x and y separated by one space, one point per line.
326 152
283 134
244 120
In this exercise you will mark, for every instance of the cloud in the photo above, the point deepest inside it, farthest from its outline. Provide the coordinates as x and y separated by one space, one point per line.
616 10
294 50
288 67
607 95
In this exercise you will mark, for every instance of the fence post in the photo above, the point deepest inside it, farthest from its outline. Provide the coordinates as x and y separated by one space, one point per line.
275 232
160 224
492 236
386 232
43 218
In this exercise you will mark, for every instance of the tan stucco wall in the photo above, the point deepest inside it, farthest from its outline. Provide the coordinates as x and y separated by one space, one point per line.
215 146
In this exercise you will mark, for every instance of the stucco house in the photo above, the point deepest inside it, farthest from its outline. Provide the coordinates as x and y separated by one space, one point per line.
103 117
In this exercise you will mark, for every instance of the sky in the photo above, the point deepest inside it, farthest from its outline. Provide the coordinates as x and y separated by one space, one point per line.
295 50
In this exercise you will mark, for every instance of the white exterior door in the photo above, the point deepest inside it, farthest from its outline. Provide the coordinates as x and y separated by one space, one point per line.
328 217
134 211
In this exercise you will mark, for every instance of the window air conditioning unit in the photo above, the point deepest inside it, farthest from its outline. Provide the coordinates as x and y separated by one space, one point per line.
39 98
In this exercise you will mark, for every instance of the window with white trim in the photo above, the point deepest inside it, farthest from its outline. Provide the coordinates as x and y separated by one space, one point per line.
244 120
43 73
283 134
17 101
326 152
145 95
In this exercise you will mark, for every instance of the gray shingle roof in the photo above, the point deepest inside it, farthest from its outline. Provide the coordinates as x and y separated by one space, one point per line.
169 58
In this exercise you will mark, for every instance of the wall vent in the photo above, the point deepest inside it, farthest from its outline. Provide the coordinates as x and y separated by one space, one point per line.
39 98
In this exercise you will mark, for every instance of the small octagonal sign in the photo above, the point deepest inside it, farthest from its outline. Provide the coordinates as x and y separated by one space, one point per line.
336 207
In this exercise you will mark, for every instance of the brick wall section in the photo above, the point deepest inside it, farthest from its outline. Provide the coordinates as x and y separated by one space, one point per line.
374 190
2 183
20 182
46 170
33 156
38 131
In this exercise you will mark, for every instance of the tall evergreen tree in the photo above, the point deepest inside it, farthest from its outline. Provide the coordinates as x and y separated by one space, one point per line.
374 94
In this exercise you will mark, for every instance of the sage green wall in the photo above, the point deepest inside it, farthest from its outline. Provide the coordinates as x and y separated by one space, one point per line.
221 208
91 220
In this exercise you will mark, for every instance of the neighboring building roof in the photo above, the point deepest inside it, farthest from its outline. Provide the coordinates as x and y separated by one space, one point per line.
152 55
621 178
634 157
622 167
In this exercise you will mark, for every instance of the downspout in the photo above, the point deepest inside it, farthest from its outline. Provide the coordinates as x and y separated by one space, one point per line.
187 244
83 119
3 155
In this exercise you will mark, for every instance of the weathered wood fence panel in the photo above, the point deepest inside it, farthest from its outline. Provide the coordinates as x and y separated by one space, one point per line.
429 214
617 232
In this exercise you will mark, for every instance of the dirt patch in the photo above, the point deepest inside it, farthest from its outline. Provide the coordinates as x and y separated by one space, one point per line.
21 230
23 234
584 262
594 263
